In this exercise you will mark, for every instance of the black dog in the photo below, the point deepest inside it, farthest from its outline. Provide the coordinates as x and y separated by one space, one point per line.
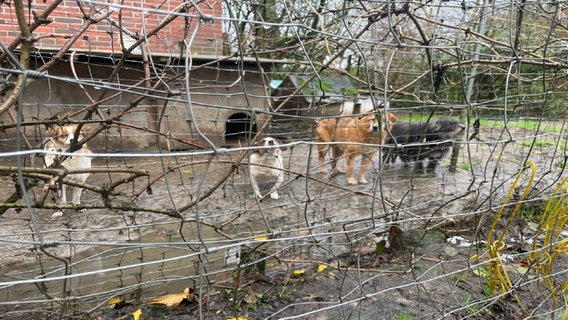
418 141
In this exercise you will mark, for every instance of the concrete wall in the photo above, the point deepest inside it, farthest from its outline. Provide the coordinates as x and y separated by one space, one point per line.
215 95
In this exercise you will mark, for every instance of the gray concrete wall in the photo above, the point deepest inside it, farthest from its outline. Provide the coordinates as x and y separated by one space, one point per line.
216 93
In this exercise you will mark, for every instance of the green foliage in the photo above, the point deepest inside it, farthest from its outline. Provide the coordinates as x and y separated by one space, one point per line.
460 276
531 213
464 166
561 164
403 316
325 86
515 122
472 308
380 247
350 92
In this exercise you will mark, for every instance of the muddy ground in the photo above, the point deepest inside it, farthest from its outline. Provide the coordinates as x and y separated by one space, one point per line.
317 222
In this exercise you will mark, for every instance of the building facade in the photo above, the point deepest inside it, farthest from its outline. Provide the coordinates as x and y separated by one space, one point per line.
110 54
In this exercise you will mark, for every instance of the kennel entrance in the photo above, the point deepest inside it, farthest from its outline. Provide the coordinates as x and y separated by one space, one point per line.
239 126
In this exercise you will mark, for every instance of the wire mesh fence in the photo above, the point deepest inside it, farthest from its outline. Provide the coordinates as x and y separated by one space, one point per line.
462 214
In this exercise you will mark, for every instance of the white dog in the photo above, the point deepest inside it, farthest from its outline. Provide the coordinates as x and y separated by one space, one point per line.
266 163
59 141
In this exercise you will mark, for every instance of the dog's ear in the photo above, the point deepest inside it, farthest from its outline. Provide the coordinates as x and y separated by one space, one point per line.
50 132
55 131
391 117
435 126
280 143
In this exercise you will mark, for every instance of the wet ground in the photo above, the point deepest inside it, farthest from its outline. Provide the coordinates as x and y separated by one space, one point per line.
317 221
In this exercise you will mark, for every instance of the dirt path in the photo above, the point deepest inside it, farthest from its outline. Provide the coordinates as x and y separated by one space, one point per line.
317 221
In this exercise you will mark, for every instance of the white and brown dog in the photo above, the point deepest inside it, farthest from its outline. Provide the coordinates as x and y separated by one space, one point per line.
59 140
266 164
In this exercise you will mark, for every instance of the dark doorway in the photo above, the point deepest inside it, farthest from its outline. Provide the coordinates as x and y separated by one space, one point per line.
239 127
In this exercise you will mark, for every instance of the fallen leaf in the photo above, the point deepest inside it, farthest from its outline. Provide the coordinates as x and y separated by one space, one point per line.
260 238
251 298
115 300
298 272
380 247
322 267
137 314
171 299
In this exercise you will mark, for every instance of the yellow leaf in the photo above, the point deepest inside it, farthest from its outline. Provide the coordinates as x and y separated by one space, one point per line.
171 299
260 238
322 267
298 272
115 300
137 314
238 318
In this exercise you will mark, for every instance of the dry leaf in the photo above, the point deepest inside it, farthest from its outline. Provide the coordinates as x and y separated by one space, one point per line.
115 300
299 272
251 298
137 314
171 299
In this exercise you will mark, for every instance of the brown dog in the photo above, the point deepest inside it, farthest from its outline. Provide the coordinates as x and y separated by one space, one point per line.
362 130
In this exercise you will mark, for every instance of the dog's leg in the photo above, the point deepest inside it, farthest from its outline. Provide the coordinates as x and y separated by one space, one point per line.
365 161
273 192
63 193
77 195
337 153
322 151
432 164
78 191
63 199
255 188
253 182
349 164
419 164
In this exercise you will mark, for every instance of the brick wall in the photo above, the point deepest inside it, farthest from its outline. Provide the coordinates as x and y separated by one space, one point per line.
136 17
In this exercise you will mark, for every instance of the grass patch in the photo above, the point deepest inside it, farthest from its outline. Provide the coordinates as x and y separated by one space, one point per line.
561 165
527 124
539 143
403 316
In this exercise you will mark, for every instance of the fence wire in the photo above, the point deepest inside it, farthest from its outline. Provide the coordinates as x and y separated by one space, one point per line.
169 205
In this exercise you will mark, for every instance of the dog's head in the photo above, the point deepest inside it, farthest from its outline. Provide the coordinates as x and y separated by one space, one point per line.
447 129
370 121
269 145
63 135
